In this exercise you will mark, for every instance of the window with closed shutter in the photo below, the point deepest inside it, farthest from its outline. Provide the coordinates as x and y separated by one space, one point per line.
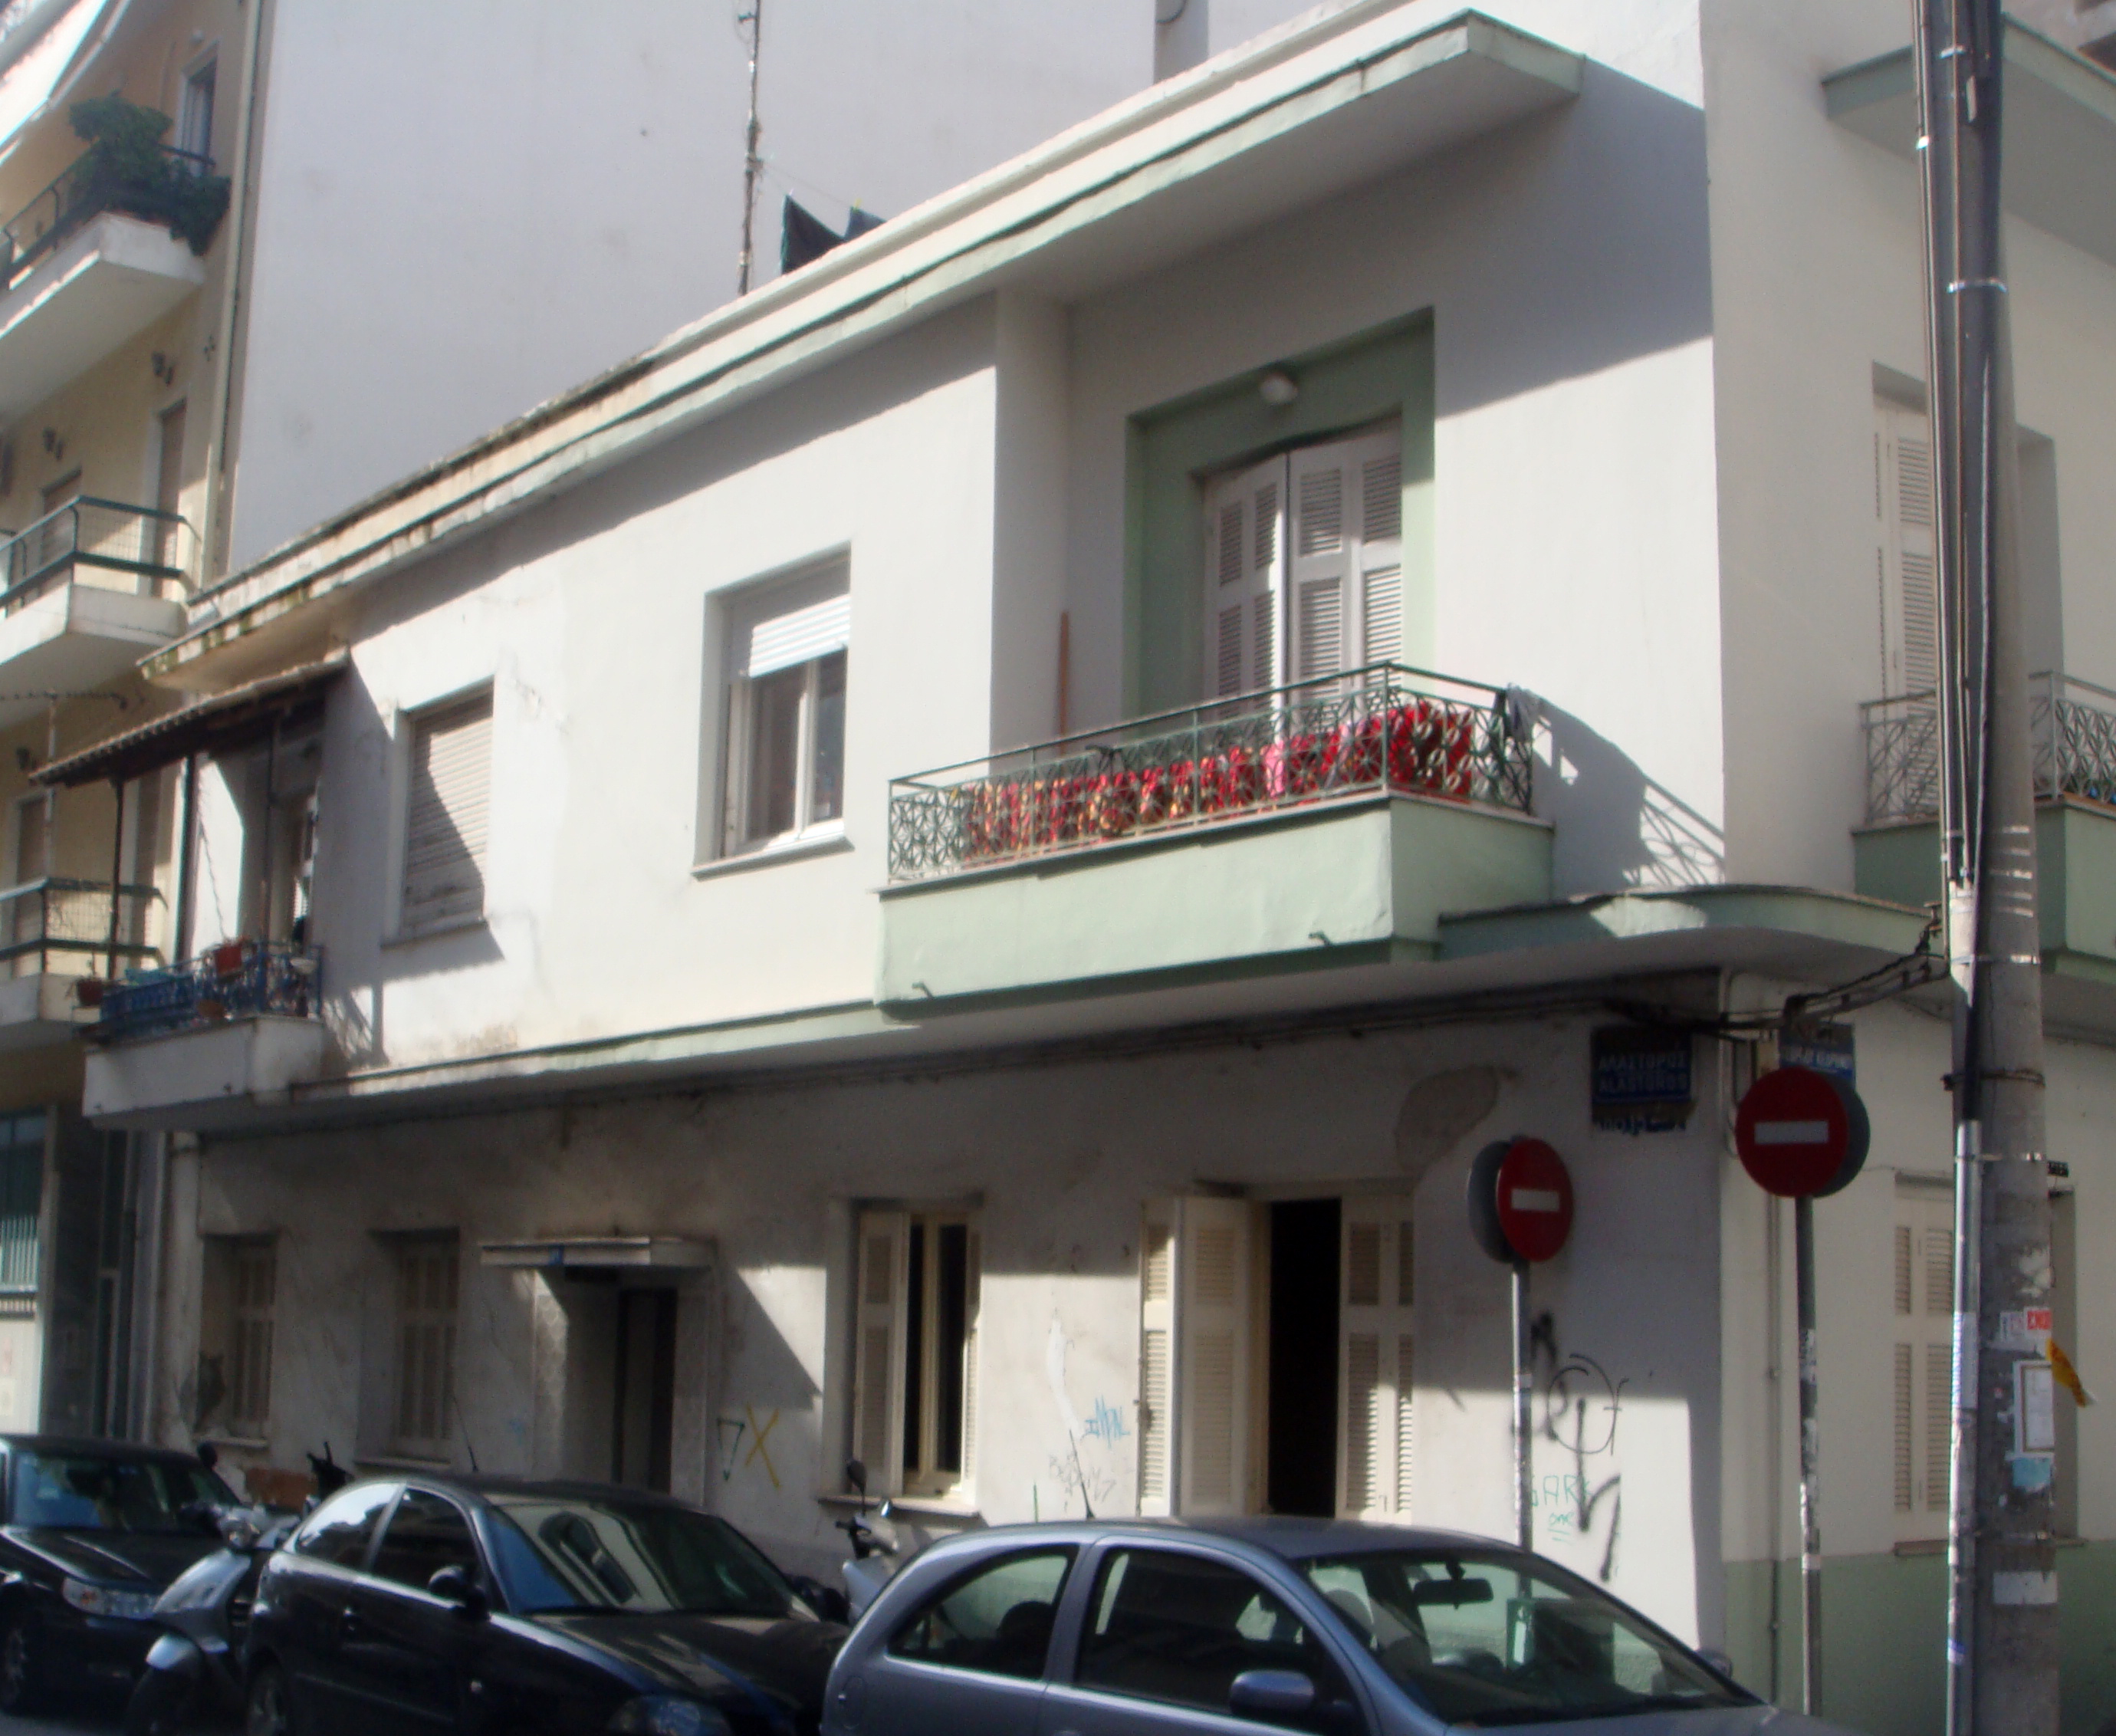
448 821
1920 1372
1906 556
428 1283
1374 1358
253 1280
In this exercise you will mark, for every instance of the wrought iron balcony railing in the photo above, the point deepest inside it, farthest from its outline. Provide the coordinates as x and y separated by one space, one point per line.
155 546
91 185
2073 728
1383 728
74 927
241 979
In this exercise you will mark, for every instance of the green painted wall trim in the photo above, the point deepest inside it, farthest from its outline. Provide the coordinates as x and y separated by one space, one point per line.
1356 882
1169 450
2075 873
1884 1633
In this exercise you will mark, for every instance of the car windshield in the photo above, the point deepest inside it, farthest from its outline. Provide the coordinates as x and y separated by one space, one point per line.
1490 1638
641 1558
86 1492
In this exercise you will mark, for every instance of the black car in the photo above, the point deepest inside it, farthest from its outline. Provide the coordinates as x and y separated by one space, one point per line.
94 1531
507 1609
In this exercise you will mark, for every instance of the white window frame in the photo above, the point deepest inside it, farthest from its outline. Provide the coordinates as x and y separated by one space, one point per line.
882 1351
187 128
826 583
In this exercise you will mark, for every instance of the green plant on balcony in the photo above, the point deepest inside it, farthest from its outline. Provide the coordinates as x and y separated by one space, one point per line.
126 169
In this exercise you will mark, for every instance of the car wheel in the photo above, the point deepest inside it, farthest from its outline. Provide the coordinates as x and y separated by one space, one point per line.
159 1704
21 1686
269 1712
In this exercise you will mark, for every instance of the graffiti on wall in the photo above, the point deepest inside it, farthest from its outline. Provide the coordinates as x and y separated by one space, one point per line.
735 1430
1085 1466
1581 1406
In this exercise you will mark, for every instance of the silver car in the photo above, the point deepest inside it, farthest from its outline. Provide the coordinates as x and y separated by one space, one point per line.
1140 1628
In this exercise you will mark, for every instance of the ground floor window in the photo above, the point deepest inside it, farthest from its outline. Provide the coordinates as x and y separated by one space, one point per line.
427 1288
21 1203
914 1402
240 1301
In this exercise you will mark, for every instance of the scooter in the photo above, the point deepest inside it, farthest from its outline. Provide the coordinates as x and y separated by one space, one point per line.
867 1571
206 1612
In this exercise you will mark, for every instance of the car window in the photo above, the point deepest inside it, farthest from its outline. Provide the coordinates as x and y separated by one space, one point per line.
996 1619
1164 1625
644 1556
1490 1637
101 1492
338 1531
426 1533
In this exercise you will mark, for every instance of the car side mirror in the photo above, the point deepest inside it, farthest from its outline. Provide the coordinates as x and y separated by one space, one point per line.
1271 1694
455 1586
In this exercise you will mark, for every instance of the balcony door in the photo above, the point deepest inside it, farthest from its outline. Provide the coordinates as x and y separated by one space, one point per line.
1303 567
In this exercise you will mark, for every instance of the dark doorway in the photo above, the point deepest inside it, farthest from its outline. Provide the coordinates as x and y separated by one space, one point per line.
1301 1450
646 1388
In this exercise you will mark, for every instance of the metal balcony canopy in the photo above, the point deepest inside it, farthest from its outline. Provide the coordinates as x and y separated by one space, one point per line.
2060 131
234 718
599 1253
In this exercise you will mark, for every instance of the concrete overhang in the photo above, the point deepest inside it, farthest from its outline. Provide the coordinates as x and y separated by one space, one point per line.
1298 115
114 280
599 1253
2060 154
75 638
1624 950
38 1010
203 1079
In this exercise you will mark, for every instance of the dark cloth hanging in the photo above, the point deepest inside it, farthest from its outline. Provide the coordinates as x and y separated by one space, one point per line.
804 237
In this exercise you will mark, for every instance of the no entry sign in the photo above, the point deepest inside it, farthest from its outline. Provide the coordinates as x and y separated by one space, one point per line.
1799 1131
1520 1200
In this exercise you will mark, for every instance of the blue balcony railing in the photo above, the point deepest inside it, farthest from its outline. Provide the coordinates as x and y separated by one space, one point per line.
241 979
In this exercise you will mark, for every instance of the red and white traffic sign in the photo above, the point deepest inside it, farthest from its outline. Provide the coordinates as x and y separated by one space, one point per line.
1799 1131
1534 1199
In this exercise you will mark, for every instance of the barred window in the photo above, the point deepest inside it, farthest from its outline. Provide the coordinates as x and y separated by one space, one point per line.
427 1284
21 1201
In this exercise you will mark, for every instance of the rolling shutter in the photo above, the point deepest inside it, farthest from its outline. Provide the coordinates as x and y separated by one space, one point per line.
791 623
1907 553
1374 1358
885 1252
1244 562
1212 1357
445 828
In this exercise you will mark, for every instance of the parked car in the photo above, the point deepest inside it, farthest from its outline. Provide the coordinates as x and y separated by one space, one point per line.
1144 1628
94 1532
486 1604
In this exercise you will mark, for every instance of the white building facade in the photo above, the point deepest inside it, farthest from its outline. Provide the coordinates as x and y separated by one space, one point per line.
611 1047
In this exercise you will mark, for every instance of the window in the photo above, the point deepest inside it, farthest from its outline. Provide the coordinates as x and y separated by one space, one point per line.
426 1296
1167 1626
1304 570
446 826
194 114
245 1272
1906 560
21 1202
784 773
338 1531
1922 1374
914 1402
997 1620
425 1533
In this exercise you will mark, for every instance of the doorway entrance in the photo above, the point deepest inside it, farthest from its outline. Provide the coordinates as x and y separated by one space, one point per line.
1300 1431
643 1430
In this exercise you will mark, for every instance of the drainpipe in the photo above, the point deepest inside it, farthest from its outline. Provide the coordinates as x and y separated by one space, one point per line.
224 353
117 867
180 948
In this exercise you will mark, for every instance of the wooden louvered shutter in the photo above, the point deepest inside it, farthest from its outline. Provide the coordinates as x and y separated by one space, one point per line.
878 1348
1345 565
1906 551
1244 564
1156 1357
1212 1356
446 826
1374 1359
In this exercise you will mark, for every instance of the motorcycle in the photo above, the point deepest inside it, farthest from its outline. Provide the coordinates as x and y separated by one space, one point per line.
198 1660
869 1570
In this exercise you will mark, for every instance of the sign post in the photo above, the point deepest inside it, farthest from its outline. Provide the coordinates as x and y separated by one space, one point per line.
1801 1133
1520 1211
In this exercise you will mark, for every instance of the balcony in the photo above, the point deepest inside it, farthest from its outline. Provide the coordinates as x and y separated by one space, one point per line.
1326 823
101 254
2072 724
85 593
57 937
195 1044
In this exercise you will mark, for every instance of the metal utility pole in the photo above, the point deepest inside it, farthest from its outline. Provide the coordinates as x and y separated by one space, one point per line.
2001 1656
1810 1453
1523 1397
752 163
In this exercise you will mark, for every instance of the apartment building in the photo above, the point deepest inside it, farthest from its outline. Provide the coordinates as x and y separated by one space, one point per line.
234 304
902 878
